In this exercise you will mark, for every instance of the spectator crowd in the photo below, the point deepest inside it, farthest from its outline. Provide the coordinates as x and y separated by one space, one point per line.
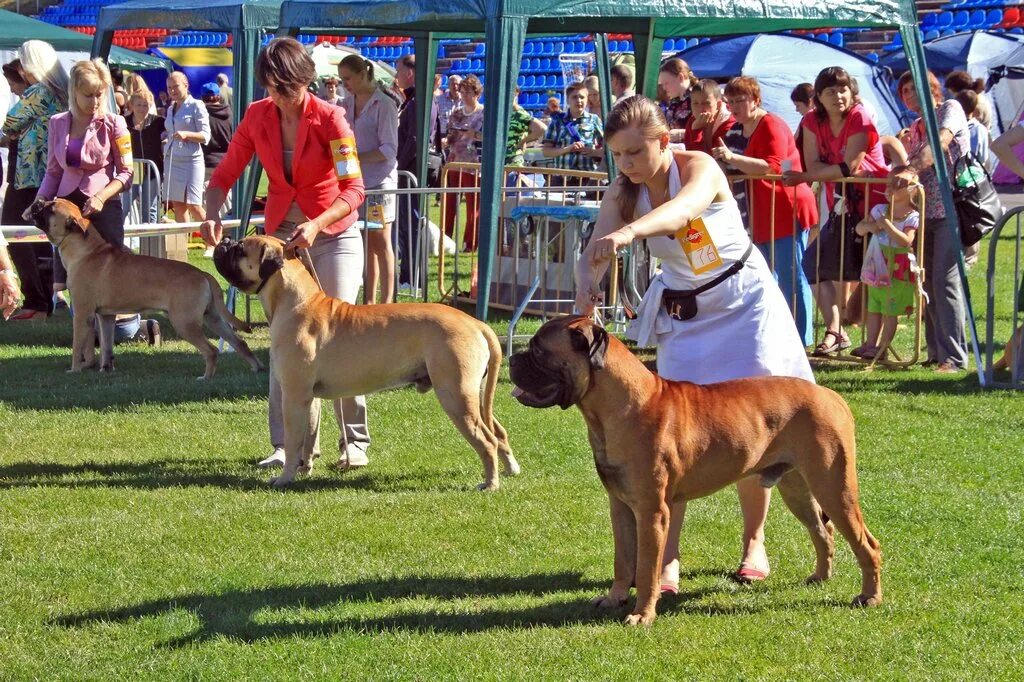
161 154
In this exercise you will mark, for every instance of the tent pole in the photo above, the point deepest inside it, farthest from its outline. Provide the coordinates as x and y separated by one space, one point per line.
603 64
918 67
425 49
647 59
101 44
505 37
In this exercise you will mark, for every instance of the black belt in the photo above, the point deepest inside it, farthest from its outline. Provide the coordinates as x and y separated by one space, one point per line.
681 304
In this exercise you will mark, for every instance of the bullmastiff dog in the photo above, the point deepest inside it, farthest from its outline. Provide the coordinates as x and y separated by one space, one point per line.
658 442
105 280
321 347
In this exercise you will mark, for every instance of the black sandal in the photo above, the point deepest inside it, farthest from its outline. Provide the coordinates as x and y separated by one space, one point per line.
825 348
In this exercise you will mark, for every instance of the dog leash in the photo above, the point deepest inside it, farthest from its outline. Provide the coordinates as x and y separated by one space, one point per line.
304 258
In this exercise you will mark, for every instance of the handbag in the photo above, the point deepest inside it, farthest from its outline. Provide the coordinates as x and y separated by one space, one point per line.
821 260
978 208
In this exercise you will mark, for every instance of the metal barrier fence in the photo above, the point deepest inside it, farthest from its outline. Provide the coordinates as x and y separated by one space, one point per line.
547 217
1013 357
845 292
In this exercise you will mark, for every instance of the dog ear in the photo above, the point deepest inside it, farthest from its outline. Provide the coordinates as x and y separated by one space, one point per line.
80 223
591 340
269 262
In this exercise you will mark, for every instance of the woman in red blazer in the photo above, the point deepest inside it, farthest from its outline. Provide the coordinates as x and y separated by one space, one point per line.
309 154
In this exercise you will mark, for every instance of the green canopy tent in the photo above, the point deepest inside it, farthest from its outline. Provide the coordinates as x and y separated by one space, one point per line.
246 20
16 29
505 24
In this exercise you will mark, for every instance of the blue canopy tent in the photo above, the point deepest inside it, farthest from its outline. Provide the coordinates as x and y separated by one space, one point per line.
780 62
247 21
974 52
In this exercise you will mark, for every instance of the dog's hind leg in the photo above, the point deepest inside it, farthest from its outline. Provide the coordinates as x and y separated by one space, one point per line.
106 326
224 330
462 407
192 331
805 508
508 460
835 488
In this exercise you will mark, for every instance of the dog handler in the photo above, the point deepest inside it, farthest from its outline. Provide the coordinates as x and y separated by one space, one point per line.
715 312
316 188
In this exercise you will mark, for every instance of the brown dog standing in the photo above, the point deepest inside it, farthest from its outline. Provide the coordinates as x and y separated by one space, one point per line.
657 442
321 347
105 280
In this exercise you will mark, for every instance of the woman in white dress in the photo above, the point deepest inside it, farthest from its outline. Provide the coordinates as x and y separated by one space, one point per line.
737 325
188 128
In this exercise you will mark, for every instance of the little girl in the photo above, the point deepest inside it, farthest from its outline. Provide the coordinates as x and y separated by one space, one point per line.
889 277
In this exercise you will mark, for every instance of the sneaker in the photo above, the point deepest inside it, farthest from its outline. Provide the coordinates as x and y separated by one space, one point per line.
353 456
275 459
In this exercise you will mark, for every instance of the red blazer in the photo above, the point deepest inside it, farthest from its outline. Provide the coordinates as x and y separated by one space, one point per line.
324 167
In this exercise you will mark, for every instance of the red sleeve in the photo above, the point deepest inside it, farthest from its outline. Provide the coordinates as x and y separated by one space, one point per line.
857 121
769 142
810 122
240 151
352 189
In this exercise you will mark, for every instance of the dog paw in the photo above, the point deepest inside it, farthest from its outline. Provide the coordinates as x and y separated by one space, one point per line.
280 482
488 487
512 466
866 600
639 619
608 601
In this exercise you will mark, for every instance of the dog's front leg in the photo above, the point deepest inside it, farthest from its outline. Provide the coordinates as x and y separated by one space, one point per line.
624 533
296 422
106 325
651 529
83 340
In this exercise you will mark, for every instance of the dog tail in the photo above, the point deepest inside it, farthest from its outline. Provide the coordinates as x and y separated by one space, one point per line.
493 370
217 296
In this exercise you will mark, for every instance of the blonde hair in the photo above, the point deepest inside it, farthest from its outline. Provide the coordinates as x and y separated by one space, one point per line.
146 96
39 60
636 111
88 74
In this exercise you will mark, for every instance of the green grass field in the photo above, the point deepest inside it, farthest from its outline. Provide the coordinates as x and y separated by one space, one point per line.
137 540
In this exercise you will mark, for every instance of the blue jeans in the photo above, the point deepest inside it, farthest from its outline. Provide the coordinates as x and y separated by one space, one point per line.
789 273
148 196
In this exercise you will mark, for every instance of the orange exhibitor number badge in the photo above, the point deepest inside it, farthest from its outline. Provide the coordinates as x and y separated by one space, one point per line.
346 162
698 247
124 146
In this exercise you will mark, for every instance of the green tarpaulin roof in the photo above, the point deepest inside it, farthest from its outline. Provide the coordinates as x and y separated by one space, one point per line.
670 17
204 15
16 29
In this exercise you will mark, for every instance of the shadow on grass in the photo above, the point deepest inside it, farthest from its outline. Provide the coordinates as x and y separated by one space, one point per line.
164 378
234 613
848 379
201 474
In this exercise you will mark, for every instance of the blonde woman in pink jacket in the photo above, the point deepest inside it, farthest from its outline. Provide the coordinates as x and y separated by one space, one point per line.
89 160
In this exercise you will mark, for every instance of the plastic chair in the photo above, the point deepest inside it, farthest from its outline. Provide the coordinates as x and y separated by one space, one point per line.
977 20
931 35
961 19
835 39
528 48
994 17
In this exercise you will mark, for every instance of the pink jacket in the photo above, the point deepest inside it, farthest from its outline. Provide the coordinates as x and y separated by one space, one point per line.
106 156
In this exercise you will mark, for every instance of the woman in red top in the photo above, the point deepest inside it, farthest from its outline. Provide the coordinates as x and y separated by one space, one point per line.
309 154
710 120
780 233
840 141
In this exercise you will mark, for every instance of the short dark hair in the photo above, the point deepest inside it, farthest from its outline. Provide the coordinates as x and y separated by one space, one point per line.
802 93
968 100
831 77
623 73
12 71
285 66
408 61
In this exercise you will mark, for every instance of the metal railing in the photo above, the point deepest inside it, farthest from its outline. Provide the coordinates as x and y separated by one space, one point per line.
1013 357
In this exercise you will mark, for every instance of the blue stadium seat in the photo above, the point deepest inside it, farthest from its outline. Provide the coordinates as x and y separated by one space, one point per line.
931 35
994 17
929 21
479 49
1016 30
835 39
961 19
528 48
977 20
872 57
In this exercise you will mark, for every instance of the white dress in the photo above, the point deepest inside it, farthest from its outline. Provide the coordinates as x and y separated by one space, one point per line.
743 327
